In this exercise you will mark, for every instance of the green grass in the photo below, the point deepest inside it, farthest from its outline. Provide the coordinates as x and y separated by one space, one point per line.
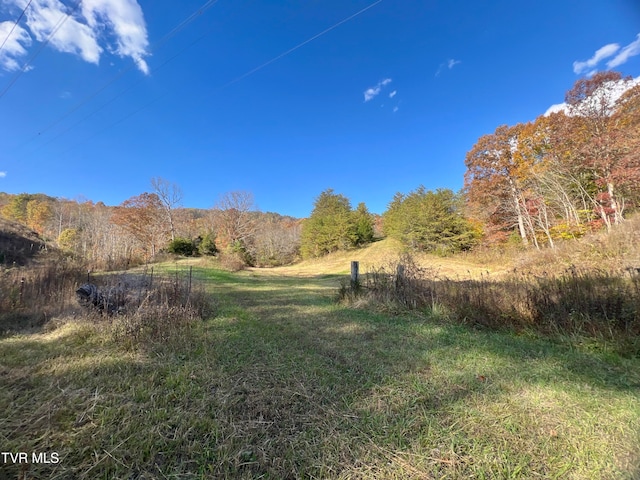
286 383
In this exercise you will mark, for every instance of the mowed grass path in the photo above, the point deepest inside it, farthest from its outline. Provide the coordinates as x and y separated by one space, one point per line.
285 383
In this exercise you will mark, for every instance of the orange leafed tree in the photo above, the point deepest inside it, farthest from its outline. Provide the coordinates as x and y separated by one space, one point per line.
601 150
495 181
141 216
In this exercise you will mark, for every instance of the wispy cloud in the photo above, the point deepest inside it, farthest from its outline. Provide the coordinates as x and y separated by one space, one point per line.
449 64
115 25
393 94
627 52
3 174
373 92
601 54
15 45
452 63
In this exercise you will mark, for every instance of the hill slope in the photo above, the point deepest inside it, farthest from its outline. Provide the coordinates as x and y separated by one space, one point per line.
18 244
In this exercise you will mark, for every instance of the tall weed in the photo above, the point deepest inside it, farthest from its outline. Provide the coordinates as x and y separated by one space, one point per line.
583 302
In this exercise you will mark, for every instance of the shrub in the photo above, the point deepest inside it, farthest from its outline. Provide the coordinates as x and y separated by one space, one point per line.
182 246
430 221
231 261
207 245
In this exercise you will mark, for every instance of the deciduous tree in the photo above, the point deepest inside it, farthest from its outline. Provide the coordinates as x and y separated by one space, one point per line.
141 216
233 220
170 196
494 180
592 102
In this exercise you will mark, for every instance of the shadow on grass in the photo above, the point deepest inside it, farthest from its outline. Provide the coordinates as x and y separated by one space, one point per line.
286 384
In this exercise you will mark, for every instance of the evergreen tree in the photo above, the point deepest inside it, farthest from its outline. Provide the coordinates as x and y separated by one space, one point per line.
330 227
364 224
429 221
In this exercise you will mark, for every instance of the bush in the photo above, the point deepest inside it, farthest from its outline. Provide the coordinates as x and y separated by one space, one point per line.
430 222
232 262
207 245
182 246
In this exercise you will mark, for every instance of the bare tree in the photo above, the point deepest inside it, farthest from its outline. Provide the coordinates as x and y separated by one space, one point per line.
233 219
170 196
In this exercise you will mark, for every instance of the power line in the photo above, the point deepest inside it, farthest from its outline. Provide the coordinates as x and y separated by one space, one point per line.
174 31
61 22
114 98
291 50
237 79
15 24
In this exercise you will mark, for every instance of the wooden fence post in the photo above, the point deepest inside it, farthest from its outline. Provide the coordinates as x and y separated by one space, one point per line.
399 277
355 279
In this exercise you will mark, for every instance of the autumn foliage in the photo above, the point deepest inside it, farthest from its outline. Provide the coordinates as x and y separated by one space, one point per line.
563 174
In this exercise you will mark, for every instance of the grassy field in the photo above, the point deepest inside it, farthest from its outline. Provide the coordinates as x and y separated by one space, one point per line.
283 382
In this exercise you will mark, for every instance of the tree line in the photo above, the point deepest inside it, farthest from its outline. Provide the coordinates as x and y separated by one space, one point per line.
156 222
555 178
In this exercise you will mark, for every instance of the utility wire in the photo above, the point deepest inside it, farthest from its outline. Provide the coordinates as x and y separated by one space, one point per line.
174 31
237 79
61 22
15 24
114 98
291 50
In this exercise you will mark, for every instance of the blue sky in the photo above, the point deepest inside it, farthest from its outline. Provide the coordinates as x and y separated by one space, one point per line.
282 98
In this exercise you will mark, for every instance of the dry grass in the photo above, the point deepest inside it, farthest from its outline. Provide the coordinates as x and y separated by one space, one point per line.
149 306
284 383
603 251
381 252
32 295
577 303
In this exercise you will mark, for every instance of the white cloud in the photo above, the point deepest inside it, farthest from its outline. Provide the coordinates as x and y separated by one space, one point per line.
371 93
558 107
448 64
630 50
612 90
393 94
115 25
46 16
395 109
601 54
14 46
126 19
3 174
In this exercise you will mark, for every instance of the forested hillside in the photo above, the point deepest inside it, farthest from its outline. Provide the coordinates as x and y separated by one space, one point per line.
563 174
